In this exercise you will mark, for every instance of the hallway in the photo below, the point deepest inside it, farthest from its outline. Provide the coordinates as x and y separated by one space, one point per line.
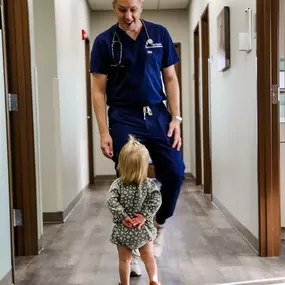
201 248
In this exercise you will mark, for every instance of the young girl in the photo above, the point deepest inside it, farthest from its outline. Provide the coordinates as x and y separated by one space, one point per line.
133 201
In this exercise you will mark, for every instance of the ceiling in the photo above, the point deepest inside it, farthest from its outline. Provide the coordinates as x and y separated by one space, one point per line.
148 4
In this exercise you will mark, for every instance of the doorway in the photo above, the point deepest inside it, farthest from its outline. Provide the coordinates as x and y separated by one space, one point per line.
202 104
179 76
89 112
178 69
207 161
197 106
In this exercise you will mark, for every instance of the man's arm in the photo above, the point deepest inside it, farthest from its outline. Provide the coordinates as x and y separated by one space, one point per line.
99 103
173 97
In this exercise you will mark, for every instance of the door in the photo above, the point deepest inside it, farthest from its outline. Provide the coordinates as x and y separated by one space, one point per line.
19 83
282 110
89 112
267 23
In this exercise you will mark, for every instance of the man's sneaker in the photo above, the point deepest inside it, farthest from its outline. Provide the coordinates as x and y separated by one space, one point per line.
159 241
135 264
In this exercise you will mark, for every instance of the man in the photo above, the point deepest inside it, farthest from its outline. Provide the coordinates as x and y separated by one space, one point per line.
126 62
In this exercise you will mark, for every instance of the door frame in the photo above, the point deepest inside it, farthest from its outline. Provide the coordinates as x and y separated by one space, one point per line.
21 141
198 155
3 28
89 113
205 42
267 24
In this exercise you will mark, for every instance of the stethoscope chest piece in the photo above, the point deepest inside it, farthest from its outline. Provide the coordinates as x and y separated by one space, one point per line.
149 42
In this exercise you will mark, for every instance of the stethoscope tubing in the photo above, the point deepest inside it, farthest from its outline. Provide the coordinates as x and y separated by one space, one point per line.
149 42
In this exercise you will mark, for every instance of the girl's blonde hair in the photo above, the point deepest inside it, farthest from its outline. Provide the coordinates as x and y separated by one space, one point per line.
133 162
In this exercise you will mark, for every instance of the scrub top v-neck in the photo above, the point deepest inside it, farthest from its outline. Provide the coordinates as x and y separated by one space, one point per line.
137 80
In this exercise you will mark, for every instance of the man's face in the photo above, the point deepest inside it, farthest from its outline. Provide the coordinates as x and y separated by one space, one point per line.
128 13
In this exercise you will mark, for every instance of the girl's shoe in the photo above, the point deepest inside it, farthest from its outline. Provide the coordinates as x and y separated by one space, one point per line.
154 283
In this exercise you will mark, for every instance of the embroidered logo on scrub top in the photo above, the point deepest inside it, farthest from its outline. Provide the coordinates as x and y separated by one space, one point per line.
157 45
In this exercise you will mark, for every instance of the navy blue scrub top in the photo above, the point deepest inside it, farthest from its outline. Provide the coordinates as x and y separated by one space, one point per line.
137 80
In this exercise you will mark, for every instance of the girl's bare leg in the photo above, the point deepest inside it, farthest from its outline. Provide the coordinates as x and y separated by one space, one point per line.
147 257
125 257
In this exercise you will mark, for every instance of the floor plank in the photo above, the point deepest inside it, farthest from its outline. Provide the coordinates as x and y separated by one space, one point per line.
201 248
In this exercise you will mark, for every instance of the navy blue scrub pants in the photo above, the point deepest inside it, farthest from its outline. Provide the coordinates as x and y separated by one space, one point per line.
151 130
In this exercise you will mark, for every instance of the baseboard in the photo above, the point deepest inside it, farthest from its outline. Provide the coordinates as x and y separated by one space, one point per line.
99 178
53 218
60 217
7 279
239 227
189 176
105 178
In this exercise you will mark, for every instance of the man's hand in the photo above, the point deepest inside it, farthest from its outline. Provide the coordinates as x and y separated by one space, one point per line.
127 222
106 144
139 220
174 129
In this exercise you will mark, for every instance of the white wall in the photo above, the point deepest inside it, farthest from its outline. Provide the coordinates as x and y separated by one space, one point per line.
176 21
233 115
5 244
44 72
36 117
72 16
60 88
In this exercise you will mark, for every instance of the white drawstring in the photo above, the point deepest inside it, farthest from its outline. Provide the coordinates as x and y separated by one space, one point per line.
146 110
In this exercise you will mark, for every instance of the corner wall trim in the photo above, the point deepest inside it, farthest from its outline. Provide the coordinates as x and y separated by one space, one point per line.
73 204
7 279
41 243
60 217
238 226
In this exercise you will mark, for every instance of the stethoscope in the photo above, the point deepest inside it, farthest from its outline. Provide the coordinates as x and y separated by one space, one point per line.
149 43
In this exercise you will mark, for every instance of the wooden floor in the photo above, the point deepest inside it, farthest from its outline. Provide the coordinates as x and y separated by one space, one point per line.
201 248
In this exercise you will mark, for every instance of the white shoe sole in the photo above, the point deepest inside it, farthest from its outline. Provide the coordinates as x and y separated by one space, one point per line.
157 250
